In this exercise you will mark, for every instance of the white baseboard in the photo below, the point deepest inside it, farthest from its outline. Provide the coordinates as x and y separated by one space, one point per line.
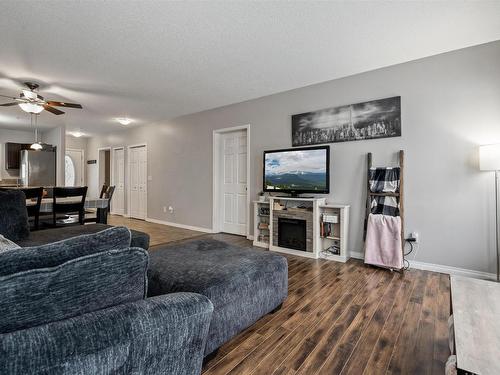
250 237
177 225
442 269
356 255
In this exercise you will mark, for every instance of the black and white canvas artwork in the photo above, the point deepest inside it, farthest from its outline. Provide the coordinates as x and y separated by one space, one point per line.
369 120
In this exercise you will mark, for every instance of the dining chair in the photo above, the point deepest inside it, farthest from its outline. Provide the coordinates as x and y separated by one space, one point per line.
76 206
100 215
35 196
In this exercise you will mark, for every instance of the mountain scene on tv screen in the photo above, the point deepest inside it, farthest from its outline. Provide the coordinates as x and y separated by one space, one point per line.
296 170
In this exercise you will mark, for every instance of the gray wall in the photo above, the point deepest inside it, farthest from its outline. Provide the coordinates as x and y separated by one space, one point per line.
450 105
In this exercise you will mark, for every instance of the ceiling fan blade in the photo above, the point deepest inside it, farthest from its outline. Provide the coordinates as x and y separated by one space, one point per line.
10 97
8 104
64 104
55 111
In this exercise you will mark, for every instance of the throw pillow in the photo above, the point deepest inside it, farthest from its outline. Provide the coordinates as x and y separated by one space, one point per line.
56 253
78 286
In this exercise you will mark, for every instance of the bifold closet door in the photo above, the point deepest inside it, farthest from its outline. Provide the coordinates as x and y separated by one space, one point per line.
138 167
118 201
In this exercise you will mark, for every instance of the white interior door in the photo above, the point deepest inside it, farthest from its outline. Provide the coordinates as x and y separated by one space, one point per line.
143 182
138 182
233 182
118 201
74 164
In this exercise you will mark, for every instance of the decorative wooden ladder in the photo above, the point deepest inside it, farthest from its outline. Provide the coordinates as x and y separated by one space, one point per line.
399 197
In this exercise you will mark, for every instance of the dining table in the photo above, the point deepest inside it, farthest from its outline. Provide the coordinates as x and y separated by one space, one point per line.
100 204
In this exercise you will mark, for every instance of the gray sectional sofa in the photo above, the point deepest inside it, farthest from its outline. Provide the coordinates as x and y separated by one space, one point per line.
92 300
79 306
46 236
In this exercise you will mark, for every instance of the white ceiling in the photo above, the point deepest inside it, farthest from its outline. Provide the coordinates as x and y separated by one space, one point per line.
156 60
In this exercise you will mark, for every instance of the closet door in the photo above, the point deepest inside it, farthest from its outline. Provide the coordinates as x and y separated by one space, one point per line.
143 181
118 201
138 182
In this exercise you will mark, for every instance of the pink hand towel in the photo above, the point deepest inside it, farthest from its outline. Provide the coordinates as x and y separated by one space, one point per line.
383 241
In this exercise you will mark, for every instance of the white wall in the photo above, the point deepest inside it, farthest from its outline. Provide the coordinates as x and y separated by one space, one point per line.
450 105
76 143
16 136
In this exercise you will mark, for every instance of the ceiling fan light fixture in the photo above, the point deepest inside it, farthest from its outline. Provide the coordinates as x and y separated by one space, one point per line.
124 120
29 94
31 107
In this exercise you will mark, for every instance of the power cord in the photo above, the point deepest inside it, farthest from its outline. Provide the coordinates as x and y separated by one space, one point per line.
406 262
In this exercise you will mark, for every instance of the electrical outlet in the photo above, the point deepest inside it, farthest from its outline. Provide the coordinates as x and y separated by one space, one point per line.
413 237
170 209
165 209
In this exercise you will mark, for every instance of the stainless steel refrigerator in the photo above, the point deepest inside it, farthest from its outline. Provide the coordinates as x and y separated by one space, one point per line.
38 168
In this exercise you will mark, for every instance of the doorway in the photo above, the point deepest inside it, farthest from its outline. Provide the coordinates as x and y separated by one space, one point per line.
118 181
137 181
74 167
104 167
231 167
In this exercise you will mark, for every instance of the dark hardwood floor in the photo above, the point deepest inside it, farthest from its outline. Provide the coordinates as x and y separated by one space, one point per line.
345 319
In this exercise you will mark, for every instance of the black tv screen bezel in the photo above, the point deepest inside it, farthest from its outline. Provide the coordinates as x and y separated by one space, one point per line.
296 192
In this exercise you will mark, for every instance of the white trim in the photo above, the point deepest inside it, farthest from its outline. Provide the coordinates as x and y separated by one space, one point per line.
215 175
300 253
127 178
441 268
357 255
113 182
138 145
250 237
177 225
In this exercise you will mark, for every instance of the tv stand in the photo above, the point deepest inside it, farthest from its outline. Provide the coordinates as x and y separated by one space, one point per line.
309 211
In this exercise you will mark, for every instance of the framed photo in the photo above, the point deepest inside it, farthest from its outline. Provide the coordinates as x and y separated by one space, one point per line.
369 120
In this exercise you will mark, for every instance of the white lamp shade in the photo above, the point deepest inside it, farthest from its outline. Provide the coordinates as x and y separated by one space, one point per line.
31 107
489 157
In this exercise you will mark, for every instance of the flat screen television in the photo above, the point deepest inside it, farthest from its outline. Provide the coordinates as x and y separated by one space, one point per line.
297 170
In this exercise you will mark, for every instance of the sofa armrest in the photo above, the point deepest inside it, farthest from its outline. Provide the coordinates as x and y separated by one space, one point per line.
160 335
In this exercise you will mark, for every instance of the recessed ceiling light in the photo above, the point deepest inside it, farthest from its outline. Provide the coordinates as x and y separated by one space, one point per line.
77 134
124 120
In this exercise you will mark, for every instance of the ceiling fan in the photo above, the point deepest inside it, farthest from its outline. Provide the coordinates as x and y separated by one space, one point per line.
31 102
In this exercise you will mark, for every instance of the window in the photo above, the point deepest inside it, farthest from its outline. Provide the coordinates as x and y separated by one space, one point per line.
69 168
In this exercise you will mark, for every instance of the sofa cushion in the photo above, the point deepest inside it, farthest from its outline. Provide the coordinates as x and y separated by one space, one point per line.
13 215
243 284
46 236
75 287
56 253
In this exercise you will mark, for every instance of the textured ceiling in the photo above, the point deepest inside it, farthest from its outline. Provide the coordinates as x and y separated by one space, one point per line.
156 60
